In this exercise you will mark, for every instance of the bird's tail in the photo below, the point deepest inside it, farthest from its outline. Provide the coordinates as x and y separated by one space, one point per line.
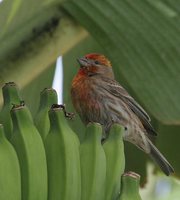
160 159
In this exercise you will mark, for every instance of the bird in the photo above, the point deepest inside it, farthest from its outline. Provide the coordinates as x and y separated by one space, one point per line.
98 97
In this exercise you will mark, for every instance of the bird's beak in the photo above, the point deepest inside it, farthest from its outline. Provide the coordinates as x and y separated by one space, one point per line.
83 62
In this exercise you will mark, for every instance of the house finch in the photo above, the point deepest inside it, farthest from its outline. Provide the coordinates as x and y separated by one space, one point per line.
98 97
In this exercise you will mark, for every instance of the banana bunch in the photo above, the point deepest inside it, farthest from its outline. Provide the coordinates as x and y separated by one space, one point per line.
47 161
47 97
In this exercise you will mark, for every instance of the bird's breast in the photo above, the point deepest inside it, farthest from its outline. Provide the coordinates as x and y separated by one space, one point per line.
86 99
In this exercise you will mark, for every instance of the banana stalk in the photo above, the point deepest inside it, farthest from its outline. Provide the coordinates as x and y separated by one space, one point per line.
31 154
62 151
130 187
93 164
115 161
47 97
10 179
10 96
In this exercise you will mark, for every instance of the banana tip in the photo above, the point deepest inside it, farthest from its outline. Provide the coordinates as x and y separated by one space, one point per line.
132 174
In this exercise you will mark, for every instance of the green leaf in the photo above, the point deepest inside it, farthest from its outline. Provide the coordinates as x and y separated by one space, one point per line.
142 40
15 6
32 37
168 143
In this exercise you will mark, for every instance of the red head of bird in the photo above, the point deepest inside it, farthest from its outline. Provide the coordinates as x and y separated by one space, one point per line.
94 64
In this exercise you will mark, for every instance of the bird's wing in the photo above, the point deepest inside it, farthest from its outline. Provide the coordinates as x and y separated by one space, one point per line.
117 90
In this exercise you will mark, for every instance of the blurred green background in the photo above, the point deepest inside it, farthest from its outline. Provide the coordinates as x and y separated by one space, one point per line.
141 38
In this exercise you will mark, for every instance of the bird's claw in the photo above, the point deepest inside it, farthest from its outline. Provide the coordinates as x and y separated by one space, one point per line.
69 115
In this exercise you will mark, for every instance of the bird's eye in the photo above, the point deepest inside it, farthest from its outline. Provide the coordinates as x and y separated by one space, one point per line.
96 62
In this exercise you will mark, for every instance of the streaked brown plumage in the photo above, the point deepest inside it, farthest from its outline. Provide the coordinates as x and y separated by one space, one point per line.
97 97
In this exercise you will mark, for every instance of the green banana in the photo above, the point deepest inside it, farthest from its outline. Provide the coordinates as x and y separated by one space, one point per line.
115 161
130 187
10 178
31 154
47 98
63 162
11 96
93 164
